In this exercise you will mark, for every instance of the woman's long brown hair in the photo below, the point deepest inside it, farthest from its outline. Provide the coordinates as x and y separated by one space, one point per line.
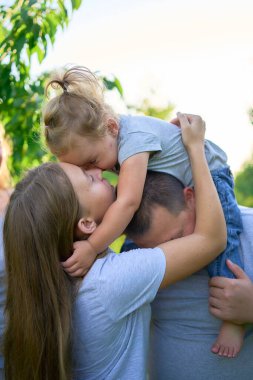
38 234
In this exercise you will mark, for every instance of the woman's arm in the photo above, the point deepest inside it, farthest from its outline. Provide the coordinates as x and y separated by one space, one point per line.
186 255
232 299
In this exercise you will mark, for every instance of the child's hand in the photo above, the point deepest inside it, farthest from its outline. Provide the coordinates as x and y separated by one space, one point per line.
193 129
81 260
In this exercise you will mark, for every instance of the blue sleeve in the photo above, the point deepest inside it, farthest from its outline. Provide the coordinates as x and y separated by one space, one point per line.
132 143
129 280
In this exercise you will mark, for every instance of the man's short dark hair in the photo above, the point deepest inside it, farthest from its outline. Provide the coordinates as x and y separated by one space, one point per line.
160 189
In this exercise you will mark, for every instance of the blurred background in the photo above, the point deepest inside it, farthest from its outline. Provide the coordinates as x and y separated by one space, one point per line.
155 57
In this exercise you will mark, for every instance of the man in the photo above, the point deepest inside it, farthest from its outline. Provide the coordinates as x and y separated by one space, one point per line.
183 330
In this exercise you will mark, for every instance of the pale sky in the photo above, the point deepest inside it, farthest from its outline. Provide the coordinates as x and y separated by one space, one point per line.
196 54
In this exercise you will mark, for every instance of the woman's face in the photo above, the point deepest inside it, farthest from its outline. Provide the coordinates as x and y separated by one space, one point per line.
94 193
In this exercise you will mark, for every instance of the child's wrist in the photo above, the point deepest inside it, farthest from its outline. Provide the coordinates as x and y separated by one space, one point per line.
94 251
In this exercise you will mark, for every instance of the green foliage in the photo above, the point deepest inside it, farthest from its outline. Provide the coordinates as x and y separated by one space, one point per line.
27 28
117 244
113 83
147 108
244 184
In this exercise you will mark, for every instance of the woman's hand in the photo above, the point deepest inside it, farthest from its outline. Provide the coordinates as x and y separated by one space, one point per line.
193 129
232 299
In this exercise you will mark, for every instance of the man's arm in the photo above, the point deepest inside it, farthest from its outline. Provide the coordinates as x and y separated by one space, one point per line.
232 299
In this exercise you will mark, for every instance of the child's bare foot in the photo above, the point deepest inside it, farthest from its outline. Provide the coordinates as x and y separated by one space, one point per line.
229 341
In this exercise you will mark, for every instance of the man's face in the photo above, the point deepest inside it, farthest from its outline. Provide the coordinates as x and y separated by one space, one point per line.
165 226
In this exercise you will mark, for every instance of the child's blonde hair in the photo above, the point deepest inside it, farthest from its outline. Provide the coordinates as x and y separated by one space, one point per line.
80 109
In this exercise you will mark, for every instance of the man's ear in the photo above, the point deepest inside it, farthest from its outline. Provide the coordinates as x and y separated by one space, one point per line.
113 127
86 226
189 197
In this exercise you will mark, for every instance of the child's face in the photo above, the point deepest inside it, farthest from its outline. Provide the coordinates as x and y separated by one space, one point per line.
88 152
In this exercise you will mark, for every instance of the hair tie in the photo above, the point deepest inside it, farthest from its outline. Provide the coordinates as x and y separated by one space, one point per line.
65 87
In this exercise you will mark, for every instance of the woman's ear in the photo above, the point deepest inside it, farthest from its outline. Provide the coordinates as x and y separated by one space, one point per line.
86 226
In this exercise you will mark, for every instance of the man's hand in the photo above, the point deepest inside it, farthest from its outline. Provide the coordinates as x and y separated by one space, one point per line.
232 299
81 260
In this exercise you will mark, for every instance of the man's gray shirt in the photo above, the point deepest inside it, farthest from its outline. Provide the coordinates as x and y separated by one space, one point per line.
183 330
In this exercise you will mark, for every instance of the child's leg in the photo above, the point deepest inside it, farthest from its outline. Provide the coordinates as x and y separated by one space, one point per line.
224 183
230 338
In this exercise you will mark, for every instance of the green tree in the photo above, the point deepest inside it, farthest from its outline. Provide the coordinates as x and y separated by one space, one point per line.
149 108
27 28
244 184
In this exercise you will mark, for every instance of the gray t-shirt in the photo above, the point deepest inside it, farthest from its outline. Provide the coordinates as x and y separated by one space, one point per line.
163 140
183 330
111 317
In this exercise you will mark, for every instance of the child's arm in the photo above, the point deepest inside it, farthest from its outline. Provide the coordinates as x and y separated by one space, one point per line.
129 193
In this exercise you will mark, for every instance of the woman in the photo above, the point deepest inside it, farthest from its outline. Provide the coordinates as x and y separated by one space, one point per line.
52 207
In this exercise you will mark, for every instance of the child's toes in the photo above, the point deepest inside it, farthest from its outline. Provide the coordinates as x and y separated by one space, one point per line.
215 348
236 351
222 350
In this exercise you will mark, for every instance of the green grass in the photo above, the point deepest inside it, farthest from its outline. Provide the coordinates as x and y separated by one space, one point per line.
111 177
117 244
